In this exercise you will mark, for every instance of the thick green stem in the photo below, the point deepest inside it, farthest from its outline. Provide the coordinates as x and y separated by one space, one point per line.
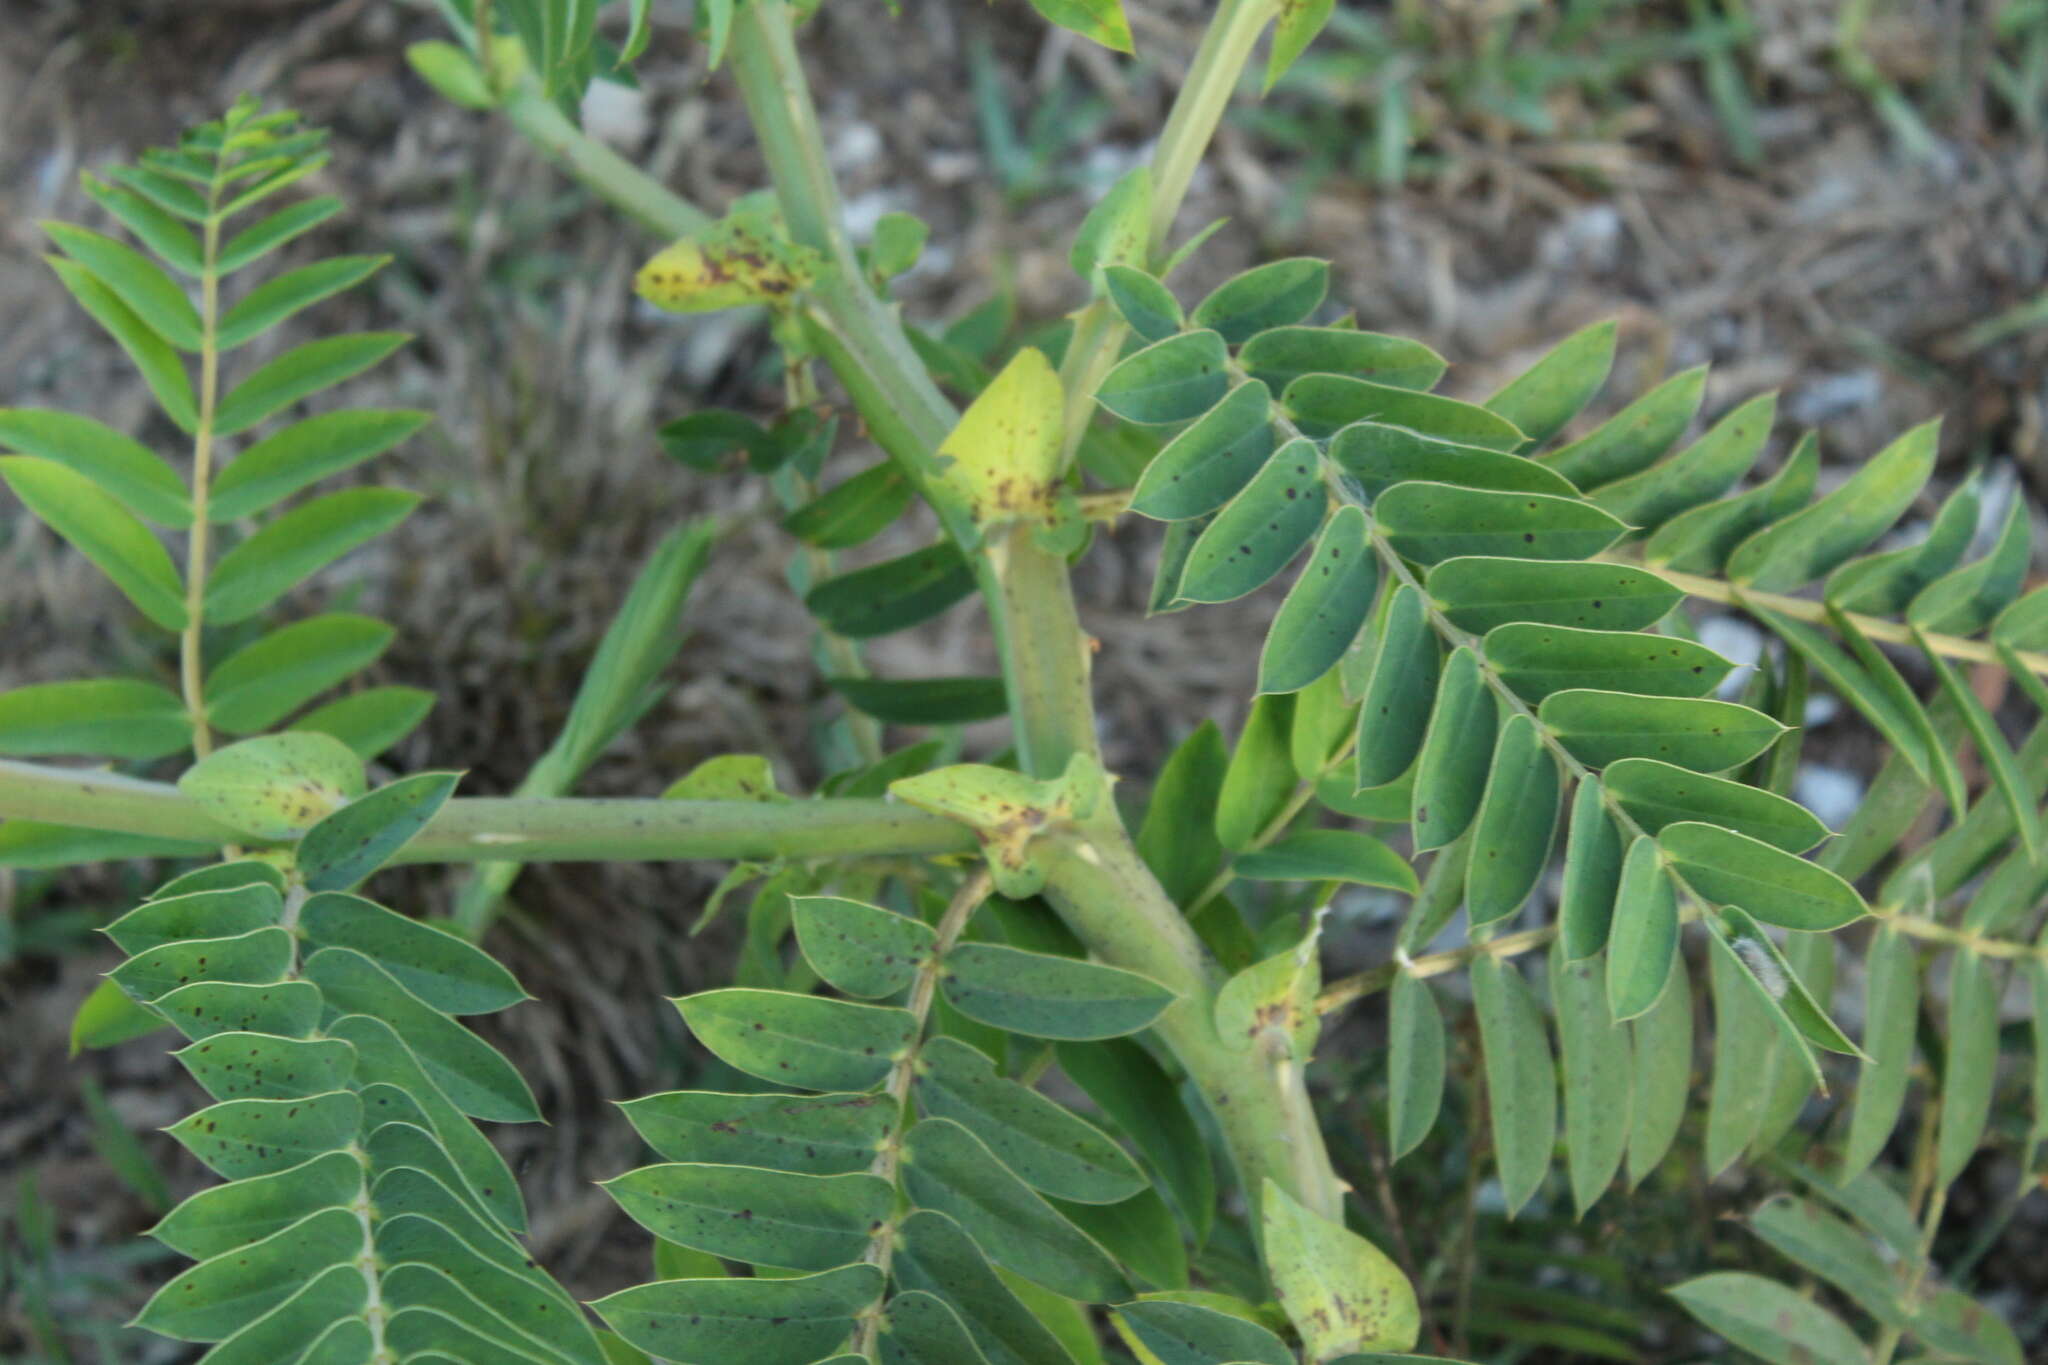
1050 702
520 829
1212 79
626 186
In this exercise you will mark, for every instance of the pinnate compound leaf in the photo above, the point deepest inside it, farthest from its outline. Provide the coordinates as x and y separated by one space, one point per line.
1192 1334
264 681
1341 1292
304 453
1768 1320
948 1169
1337 855
362 836
120 466
762 1321
1281 355
1207 465
297 545
300 373
275 786
1048 997
1812 542
109 717
1415 1064
1432 522
1553 390
1706 736
1276 294
766 1217
1175 380
1777 887
1054 1151
1261 529
1642 945
102 530
861 949
443 970
1521 1077
1325 609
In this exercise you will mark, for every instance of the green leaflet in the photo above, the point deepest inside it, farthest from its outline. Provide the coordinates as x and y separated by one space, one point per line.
331 1302
235 910
257 1066
347 1343
1324 404
1516 823
276 786
1415 1064
1760 966
1450 774
1432 522
297 545
853 512
223 1217
1260 778
413 1189
1966 600
1178 837
267 234
1699 474
303 453
161 367
1136 1095
1046 996
1174 550
934 1256
1636 436
472 1073
224 876
529 1304
1700 540
1281 355
1051 1149
1150 308
1777 887
213 1299
1276 294
2024 624
1658 794
1642 945
1883 584
1598 1073
1394 714
1204 467
300 373
1553 390
799 1040
778 1218
443 971
102 530
1810 543
1478 594
1810 958
1954 1323
1706 736
161 232
1325 609
894 595
1380 456
239 1138
861 949
1538 660
924 701
1971 1067
1766 1319
369 721
1175 380
1662 1057
919 1329
1323 725
773 1322
362 836
1890 1011
1592 874
289 1009
1998 756
118 465
1341 1292
263 682
1261 529
948 1169
276 299
1521 1079
258 957
1191 1334
1328 855
1833 1249
1745 1030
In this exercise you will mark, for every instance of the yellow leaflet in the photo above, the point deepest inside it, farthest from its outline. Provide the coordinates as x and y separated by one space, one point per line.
1003 459
744 259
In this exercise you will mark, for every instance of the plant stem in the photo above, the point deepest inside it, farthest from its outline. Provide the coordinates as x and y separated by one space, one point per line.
1211 80
625 185
520 829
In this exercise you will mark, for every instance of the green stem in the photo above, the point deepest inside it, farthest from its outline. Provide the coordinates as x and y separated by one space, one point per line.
627 187
1212 79
1051 705
520 829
